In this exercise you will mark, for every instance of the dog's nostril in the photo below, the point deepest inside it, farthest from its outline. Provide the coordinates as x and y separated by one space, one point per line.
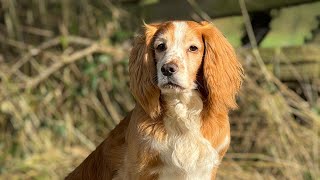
163 69
169 69
172 70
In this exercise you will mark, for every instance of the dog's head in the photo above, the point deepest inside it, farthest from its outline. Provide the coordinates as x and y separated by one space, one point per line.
180 56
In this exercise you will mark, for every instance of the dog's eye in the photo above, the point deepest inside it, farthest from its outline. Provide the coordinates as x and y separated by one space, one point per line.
193 48
161 47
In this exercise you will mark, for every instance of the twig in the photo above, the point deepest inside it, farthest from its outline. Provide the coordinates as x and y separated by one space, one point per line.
84 139
48 44
253 40
195 6
65 60
97 106
57 65
33 52
37 31
106 99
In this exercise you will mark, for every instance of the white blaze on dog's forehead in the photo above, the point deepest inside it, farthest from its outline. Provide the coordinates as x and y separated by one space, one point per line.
180 29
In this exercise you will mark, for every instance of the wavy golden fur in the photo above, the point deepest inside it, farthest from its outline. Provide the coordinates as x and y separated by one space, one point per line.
145 145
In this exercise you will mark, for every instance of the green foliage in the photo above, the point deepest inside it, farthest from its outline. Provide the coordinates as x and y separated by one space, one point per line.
232 28
292 26
120 36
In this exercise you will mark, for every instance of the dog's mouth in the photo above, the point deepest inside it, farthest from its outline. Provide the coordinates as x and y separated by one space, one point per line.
171 85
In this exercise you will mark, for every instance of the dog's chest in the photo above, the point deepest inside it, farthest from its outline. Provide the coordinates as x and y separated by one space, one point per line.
188 156
185 153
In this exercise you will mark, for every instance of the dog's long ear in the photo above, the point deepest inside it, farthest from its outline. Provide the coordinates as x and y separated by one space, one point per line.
142 72
221 70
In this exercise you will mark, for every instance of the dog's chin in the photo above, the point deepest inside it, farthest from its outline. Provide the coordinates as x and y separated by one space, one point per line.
172 88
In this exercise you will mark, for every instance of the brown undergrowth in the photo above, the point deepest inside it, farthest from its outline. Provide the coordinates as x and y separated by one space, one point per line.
61 94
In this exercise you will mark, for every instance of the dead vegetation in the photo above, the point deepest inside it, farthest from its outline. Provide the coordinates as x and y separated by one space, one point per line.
60 95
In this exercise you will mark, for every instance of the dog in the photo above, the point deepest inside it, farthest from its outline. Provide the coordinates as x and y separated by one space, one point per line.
184 76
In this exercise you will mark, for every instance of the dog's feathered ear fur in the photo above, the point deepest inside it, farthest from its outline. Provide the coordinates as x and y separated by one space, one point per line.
222 71
142 72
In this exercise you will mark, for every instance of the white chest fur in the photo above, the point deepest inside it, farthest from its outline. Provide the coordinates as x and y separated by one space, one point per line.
185 152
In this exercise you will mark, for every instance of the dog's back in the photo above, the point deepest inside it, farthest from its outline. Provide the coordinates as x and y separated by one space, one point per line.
104 162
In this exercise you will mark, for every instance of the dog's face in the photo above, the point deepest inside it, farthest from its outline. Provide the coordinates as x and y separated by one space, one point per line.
179 56
178 52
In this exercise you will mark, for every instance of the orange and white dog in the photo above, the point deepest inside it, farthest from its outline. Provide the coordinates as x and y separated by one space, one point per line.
184 76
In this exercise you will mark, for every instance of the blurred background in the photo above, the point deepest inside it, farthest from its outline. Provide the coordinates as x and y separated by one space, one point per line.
64 81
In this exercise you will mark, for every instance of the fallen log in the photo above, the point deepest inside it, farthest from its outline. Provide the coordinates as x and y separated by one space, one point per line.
182 9
289 63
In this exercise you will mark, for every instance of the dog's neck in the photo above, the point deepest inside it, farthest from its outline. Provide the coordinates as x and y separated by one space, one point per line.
185 152
183 110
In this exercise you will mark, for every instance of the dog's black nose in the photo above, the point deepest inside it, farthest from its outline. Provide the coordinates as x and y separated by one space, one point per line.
169 69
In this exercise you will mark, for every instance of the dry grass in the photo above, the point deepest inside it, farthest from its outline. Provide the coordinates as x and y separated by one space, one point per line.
61 94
